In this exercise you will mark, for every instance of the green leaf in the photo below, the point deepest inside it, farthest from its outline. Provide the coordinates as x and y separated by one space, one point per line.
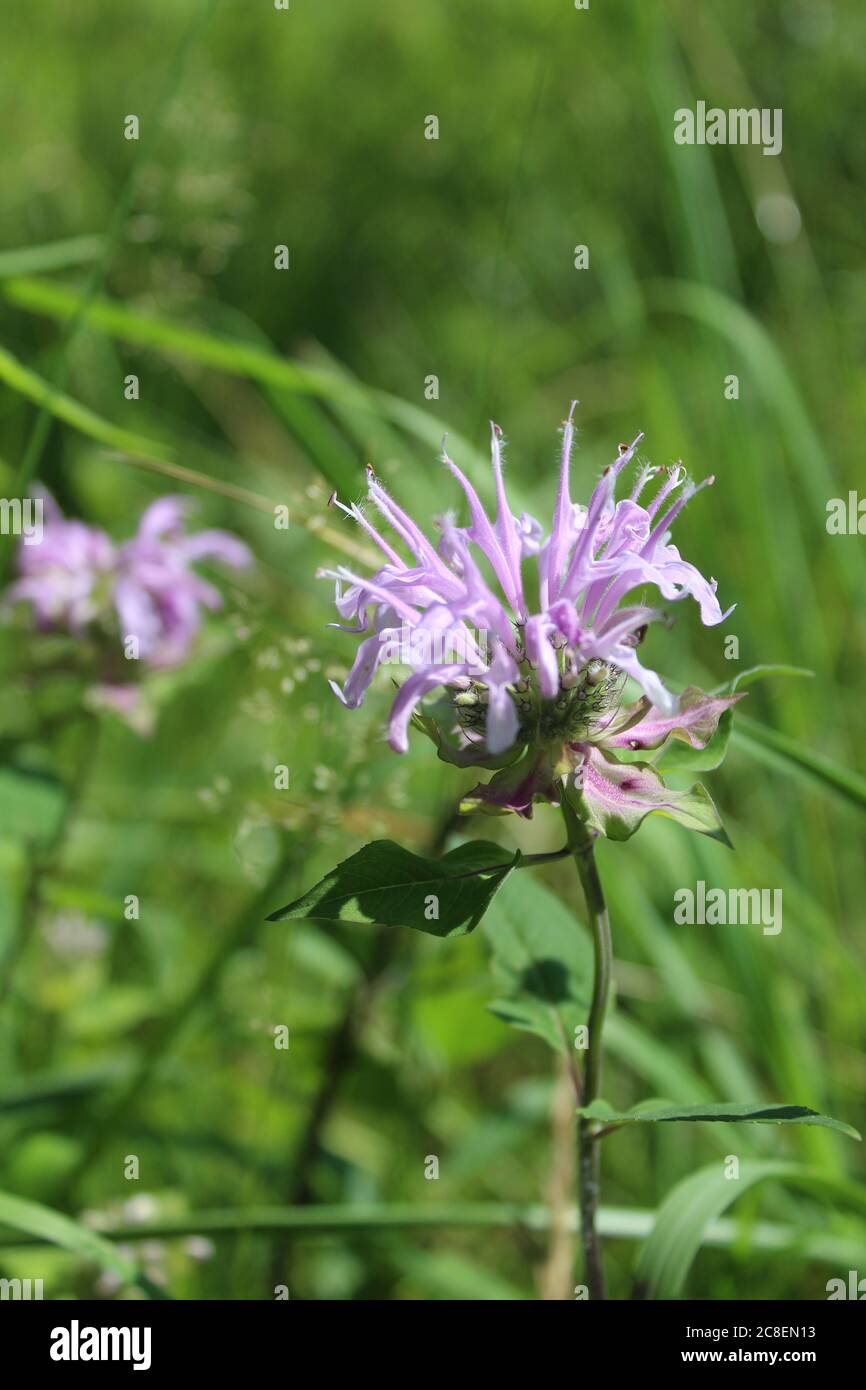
149 453
542 962
760 673
386 884
53 255
756 1113
31 804
237 357
678 756
51 1088
614 1223
685 1213
776 384
779 751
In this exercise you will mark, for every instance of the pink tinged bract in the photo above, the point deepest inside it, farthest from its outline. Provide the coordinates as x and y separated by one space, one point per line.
614 798
694 721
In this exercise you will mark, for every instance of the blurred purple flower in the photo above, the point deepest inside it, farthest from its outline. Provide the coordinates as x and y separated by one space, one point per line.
67 576
157 595
76 577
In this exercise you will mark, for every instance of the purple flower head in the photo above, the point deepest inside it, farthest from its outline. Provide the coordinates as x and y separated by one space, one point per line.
158 596
76 578
539 695
65 577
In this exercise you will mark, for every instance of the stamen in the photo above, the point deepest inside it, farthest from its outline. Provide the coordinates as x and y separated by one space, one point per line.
646 472
676 475
562 517
626 453
673 511
485 536
357 515
506 529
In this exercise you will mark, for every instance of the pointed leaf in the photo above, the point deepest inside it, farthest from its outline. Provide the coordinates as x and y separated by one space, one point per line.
386 884
732 1113
787 754
44 1223
542 962
684 1215
760 673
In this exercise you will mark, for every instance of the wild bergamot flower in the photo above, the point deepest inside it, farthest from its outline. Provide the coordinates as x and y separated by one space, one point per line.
537 692
520 647
76 578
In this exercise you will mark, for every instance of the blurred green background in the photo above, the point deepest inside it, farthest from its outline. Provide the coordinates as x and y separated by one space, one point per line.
412 258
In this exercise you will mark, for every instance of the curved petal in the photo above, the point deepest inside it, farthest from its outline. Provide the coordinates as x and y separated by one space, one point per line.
165 514
367 658
626 659
484 536
542 654
410 692
217 545
507 531
502 719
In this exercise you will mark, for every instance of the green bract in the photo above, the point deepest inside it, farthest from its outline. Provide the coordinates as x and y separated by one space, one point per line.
605 757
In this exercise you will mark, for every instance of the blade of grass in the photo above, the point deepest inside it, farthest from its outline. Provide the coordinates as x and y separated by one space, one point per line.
769 370
122 208
41 1225
615 1223
134 448
787 754
679 1227
53 255
238 358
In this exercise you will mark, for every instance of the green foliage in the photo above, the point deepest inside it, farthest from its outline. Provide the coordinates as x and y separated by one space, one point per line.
31 803
386 884
542 962
45 1224
655 1110
682 1219
152 1034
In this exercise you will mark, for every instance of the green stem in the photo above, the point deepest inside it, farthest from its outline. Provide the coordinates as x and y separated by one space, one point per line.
581 842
